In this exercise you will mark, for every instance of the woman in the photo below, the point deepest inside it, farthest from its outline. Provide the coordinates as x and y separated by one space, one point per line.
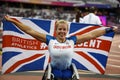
60 47
78 17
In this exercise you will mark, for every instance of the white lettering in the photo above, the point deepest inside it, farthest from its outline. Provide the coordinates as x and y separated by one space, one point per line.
85 44
24 41
91 44
81 44
43 46
98 43
23 46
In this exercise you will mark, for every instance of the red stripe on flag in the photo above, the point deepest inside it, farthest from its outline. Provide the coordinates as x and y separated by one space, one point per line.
54 34
95 44
28 44
92 61
87 30
21 62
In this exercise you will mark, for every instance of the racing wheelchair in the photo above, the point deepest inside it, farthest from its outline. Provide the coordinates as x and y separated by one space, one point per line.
49 76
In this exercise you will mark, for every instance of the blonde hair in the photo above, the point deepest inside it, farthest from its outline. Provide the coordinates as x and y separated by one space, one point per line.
59 22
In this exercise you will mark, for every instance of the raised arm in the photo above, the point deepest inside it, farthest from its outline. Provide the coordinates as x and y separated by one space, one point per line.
94 34
39 36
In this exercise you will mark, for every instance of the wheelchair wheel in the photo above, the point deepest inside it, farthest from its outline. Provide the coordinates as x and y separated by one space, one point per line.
74 78
45 76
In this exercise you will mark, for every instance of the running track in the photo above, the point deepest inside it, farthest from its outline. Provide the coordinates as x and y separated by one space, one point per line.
112 69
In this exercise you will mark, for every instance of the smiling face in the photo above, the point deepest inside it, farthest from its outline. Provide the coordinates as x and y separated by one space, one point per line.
61 30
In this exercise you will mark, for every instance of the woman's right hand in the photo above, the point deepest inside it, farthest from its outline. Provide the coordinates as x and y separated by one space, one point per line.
8 18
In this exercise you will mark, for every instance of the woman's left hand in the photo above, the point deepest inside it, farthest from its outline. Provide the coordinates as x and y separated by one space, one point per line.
115 28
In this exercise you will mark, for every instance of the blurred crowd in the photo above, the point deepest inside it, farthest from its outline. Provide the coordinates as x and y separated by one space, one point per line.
53 13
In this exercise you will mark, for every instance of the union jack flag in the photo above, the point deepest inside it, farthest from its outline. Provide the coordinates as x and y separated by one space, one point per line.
21 52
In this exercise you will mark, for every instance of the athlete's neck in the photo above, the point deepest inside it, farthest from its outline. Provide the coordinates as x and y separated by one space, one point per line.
61 40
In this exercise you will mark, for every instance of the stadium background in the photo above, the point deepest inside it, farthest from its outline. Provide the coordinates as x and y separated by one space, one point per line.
66 9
